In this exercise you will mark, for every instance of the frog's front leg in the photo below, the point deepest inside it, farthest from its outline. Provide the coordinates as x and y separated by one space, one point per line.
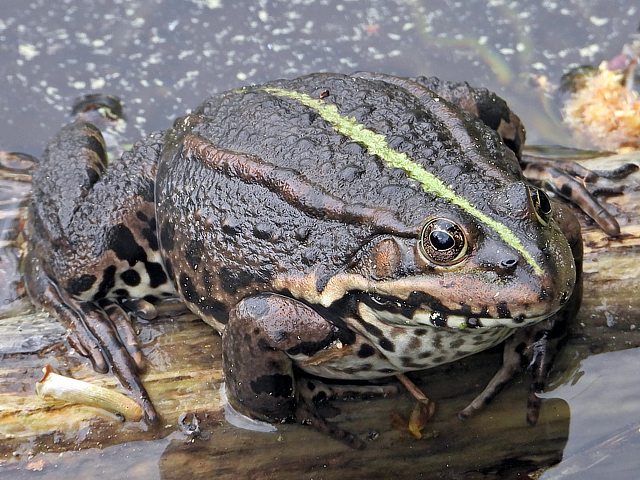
534 348
262 334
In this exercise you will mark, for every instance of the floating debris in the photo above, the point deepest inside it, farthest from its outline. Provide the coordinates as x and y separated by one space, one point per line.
66 389
422 411
603 109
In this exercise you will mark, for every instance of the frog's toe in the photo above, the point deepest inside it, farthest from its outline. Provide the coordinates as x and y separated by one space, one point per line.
512 362
141 308
113 335
106 338
85 345
307 414
509 369
316 390
126 333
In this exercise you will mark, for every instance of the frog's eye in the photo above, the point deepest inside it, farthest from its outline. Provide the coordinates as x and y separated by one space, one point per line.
542 204
443 242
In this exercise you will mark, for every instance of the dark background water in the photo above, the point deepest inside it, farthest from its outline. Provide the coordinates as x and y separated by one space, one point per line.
162 58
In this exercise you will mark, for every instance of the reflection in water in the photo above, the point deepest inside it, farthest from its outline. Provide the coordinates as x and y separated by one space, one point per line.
15 178
239 420
604 433
139 460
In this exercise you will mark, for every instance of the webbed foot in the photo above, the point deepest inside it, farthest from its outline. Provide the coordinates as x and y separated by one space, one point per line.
101 332
307 413
313 393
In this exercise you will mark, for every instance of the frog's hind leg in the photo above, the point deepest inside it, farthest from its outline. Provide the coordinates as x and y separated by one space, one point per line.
314 394
533 349
569 180
87 233
262 334
103 334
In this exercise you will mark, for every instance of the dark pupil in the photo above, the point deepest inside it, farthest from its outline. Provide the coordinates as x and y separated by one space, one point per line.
441 240
543 200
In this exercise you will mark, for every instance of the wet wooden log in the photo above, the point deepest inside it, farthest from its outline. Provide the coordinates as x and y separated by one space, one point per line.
184 377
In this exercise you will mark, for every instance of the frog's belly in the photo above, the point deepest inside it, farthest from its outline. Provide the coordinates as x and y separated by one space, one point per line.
406 349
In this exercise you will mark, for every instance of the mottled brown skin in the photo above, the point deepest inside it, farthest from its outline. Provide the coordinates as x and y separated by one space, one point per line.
302 249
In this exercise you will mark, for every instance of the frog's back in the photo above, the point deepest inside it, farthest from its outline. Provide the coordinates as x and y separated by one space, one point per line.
273 122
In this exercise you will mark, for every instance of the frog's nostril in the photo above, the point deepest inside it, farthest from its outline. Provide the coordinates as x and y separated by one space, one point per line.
509 263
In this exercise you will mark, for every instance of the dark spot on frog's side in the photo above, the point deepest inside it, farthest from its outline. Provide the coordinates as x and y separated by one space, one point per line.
208 280
276 385
207 305
414 343
187 288
365 350
81 284
233 280
124 244
193 254
214 308
387 345
156 274
383 341
131 278
409 362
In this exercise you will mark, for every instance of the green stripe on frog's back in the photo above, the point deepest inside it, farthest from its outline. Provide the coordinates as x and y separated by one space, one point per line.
376 144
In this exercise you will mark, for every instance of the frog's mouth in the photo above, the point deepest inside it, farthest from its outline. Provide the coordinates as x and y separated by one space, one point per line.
453 302
428 312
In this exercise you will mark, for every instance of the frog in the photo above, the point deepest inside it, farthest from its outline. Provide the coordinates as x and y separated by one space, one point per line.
349 227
